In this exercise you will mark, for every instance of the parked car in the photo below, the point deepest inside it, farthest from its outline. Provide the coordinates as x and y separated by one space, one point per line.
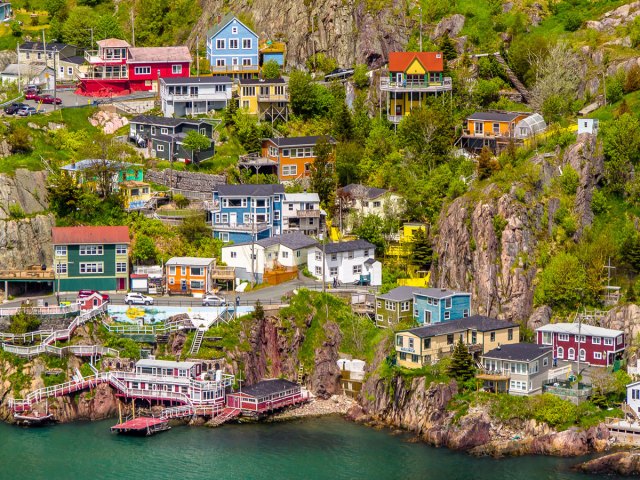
32 87
211 300
135 298
338 74
88 293
31 94
48 99
13 108
26 111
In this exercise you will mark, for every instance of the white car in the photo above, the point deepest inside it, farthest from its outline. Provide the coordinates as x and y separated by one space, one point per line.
211 300
135 298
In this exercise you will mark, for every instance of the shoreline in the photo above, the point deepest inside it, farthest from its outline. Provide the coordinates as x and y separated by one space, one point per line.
317 407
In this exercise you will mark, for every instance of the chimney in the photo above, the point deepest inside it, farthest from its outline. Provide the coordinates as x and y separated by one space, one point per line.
219 19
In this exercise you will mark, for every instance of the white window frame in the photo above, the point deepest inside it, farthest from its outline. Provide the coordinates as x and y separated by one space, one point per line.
196 284
61 250
200 271
121 267
234 41
596 340
250 43
164 131
91 250
121 249
333 271
61 268
597 355
176 69
85 266
607 341
221 62
563 337
142 70
221 44
160 148
357 269
234 30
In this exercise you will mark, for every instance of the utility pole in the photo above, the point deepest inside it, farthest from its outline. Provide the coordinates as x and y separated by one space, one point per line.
18 53
253 240
197 55
55 80
420 7
133 28
324 279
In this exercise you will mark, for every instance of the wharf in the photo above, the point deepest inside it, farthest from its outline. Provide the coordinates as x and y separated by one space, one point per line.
143 426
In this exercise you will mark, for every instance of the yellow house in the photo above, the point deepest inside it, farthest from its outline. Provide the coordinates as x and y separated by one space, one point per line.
426 345
402 248
269 99
136 194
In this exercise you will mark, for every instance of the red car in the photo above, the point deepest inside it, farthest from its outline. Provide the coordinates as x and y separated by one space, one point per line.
48 99
31 95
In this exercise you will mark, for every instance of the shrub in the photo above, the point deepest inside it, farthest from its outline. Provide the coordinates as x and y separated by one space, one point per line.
181 201
599 202
15 211
632 81
24 322
569 180
572 22
20 140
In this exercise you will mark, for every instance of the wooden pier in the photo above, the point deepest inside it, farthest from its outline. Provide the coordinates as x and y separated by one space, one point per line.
141 426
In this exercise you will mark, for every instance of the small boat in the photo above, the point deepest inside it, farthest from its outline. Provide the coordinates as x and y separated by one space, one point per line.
33 420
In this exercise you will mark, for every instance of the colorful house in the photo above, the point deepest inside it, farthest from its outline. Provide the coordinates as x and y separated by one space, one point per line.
593 345
61 56
266 395
400 246
181 97
428 344
86 172
361 200
394 307
6 12
136 194
268 99
242 213
189 275
413 76
118 68
518 369
232 48
91 258
273 51
495 130
91 301
294 155
436 305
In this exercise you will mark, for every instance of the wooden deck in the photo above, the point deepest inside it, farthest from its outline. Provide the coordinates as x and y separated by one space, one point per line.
144 426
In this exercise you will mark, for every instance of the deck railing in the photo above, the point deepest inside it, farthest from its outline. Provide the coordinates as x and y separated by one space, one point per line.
40 311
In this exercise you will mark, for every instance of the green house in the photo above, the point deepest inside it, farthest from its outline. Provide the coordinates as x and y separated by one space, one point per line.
395 306
85 171
91 258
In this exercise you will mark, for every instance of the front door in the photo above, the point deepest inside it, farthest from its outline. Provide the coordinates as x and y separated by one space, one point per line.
183 285
399 78
398 110
233 218
122 284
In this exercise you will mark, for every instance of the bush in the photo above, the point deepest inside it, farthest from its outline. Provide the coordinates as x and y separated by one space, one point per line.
24 322
20 140
15 211
599 202
572 22
632 81
569 180
181 201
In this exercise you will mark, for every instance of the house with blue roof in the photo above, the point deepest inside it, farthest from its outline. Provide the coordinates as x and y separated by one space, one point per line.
242 213
437 305
232 48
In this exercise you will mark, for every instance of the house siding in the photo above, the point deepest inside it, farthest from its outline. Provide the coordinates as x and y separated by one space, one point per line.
459 304
227 54
561 348
107 280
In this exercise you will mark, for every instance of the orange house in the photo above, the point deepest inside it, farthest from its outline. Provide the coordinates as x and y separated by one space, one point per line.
294 155
189 275
490 129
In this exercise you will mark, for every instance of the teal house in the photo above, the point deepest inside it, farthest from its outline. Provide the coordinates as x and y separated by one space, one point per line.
6 13
436 305
91 258
86 171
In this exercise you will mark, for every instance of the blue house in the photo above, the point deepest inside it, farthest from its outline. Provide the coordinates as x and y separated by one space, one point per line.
5 12
241 212
232 48
436 305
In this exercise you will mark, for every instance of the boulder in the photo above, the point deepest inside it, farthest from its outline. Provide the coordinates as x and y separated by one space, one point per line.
620 463
450 25
541 316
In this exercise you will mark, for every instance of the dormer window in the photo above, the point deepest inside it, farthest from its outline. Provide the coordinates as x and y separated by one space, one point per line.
234 30
438 55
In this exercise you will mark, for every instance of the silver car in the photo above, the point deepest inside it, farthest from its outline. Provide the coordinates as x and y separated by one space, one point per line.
211 300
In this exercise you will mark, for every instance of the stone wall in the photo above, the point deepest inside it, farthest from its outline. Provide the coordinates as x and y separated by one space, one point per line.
191 181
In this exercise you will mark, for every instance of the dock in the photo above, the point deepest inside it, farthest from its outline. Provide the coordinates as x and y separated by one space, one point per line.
141 426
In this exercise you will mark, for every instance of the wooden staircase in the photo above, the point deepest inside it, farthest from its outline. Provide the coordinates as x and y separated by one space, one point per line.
515 81
300 375
197 341
226 415
630 412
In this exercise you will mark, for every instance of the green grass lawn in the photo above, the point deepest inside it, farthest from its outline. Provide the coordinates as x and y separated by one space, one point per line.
606 114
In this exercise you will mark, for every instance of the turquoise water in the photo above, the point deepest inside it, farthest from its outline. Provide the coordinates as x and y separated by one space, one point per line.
323 448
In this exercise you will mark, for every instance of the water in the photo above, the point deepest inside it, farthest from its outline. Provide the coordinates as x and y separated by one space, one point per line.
322 448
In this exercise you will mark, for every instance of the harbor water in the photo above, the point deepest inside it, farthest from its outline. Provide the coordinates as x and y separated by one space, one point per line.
319 448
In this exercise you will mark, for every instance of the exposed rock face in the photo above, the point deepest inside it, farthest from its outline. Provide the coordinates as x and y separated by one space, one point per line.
26 242
325 380
621 463
109 122
614 18
451 26
625 318
25 188
343 29
195 182
541 316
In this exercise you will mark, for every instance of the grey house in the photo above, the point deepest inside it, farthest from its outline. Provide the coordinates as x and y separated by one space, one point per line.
517 368
164 137
188 96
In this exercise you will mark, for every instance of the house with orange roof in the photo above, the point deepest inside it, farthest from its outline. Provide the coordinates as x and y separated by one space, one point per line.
412 78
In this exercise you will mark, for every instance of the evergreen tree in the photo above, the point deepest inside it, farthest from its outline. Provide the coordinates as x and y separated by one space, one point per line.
229 113
631 294
323 176
448 48
342 122
631 251
258 311
486 163
461 366
421 250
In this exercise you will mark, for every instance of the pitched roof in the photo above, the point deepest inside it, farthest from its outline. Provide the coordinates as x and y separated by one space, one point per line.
164 363
89 235
495 116
191 261
25 69
39 46
89 163
399 294
474 322
224 21
300 141
302 197
576 329
438 292
431 61
164 121
199 80
262 190
112 43
269 387
262 81
294 241
159 54
349 246
78 60
524 352
368 192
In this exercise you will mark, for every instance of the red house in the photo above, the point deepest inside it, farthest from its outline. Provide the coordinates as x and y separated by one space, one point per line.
572 341
266 396
117 68
90 302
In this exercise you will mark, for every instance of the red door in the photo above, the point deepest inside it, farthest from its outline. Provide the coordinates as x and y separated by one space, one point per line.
122 283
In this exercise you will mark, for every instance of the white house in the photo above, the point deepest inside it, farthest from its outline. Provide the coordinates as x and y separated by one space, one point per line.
346 262
182 96
588 125
286 250
361 201
301 213
30 74
633 396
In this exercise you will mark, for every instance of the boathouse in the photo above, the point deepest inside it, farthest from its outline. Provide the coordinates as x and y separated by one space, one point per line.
266 395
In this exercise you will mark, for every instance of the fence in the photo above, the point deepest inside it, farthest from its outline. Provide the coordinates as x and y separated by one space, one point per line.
280 275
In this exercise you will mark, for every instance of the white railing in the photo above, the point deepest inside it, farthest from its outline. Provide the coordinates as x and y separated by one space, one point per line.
202 96
559 372
40 311
416 85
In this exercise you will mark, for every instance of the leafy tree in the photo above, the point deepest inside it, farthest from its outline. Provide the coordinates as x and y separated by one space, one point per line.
144 250
248 131
308 99
569 180
572 22
24 322
461 366
77 26
621 149
16 29
194 229
321 63
323 177
63 194
421 250
181 201
631 294
342 122
486 163
89 3
558 76
371 229
615 87
56 7
360 78
348 156
196 142
562 282
630 250
270 70
107 26
229 114
487 91
361 118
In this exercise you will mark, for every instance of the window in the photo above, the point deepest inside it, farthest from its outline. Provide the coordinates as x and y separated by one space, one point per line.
426 343
285 152
91 250
479 127
560 353
571 354
350 255
518 367
580 338
510 334
164 131
376 204
318 271
333 271
447 303
197 271
142 70
234 254
357 269
414 358
547 338
61 250
595 340
492 337
447 315
465 313
91 267
121 267
285 254
619 340
246 43
563 337
545 361
289 170
410 342
61 268
246 62
197 284
121 249
389 305
597 356
318 256
234 30
583 355
221 62
183 270
70 70
474 337
608 341
224 236
535 366
635 394
233 43
61 70
405 306
399 340
450 339
220 44
496 128
176 69
160 147
334 257
518 385
403 356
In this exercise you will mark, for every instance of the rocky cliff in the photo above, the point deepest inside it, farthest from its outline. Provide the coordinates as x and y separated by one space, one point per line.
348 30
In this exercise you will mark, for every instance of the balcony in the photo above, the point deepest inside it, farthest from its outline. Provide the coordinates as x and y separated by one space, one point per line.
395 118
223 273
240 227
235 69
95 57
94 74
273 98
199 97
308 214
388 85
492 134
493 375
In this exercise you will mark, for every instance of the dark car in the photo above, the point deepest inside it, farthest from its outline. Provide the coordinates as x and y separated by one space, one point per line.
88 293
26 111
48 99
338 74
13 108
